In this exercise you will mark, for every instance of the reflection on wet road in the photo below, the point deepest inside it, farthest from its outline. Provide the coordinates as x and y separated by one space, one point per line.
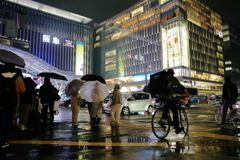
131 139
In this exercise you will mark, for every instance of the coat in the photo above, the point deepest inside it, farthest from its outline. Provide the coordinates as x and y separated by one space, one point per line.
19 84
117 97
174 82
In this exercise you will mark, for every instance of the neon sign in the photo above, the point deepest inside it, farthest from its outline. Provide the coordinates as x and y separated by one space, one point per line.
68 43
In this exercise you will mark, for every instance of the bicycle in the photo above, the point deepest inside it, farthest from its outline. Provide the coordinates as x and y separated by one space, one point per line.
232 116
162 121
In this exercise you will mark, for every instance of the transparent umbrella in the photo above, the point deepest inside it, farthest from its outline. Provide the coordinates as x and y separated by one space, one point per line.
94 91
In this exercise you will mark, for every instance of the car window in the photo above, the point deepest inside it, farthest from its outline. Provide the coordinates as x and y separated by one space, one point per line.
145 96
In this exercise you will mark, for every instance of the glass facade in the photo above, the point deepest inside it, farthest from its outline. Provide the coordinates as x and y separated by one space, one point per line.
51 38
156 35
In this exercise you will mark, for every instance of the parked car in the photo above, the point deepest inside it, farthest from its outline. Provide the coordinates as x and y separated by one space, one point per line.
139 102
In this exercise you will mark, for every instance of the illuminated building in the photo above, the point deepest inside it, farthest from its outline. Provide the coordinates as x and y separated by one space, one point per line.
156 35
60 38
231 43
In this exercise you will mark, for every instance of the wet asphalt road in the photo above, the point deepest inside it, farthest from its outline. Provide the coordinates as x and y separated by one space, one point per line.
132 139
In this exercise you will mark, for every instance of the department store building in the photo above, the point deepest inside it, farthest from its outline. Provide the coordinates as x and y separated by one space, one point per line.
49 39
155 35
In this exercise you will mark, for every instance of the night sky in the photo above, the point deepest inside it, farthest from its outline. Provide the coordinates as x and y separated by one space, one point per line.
101 10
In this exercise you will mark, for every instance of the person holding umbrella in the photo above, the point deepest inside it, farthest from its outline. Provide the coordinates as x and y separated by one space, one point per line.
46 94
75 106
73 89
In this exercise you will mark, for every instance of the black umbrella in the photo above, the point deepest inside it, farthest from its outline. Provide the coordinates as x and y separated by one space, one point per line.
93 77
52 75
10 57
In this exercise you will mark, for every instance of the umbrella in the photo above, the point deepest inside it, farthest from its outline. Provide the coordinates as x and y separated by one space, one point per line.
10 57
94 91
52 75
93 77
73 87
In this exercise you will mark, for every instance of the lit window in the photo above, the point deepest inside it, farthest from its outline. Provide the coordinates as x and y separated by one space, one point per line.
228 62
228 69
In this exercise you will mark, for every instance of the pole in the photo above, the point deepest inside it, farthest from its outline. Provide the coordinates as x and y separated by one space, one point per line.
146 74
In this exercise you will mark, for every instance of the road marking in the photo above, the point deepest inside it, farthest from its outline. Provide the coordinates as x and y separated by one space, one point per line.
151 144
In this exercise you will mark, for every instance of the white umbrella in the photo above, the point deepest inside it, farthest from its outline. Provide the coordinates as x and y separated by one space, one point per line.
94 91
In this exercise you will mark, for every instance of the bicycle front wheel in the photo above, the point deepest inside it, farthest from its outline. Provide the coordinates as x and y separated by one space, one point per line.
218 115
184 120
236 119
160 125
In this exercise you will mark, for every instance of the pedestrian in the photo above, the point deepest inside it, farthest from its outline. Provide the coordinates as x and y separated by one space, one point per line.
168 97
116 105
46 94
229 97
26 100
11 86
75 106
96 113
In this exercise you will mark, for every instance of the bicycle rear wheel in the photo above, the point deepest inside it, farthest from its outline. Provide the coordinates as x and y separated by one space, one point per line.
160 125
184 120
218 115
236 119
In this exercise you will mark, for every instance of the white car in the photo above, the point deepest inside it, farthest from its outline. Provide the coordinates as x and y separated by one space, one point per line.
139 102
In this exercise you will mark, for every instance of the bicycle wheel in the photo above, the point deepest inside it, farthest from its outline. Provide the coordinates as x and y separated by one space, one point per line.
218 115
160 125
235 117
184 120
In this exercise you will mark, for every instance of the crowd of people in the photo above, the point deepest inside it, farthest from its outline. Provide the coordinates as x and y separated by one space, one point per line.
16 93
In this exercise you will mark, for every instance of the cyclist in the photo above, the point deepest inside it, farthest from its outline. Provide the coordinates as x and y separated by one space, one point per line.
229 97
168 98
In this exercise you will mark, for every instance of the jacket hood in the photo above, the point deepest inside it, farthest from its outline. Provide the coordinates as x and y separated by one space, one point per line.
8 74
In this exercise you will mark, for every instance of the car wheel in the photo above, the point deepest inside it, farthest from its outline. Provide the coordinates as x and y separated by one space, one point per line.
189 104
150 109
125 111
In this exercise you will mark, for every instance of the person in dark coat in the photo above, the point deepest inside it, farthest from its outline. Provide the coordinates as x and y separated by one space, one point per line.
47 99
26 100
229 97
7 112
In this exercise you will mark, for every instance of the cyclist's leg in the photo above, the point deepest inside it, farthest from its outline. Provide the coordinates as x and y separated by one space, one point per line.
227 103
172 105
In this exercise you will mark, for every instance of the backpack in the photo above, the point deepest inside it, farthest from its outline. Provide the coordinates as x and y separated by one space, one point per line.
8 94
232 91
160 83
47 94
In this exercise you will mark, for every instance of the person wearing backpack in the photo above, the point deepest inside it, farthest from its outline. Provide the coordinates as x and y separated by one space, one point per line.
11 85
168 97
229 97
46 94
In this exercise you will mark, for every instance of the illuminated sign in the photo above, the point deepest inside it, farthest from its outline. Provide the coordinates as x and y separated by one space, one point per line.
68 43
79 58
141 77
140 58
219 33
55 40
46 38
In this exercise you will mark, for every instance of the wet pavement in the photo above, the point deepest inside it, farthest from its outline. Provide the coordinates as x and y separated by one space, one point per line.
131 139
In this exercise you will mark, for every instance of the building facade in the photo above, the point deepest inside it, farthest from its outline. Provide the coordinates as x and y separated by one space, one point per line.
60 38
156 35
231 42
